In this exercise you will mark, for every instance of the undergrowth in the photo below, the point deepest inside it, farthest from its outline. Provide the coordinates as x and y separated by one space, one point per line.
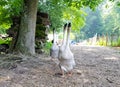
47 47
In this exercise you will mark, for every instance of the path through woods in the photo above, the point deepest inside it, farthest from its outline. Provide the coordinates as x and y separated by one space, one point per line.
95 67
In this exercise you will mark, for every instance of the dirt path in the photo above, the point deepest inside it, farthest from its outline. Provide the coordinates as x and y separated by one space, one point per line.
96 67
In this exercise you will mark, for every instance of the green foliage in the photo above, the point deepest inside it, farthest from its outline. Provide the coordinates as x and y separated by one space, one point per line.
40 31
118 4
116 44
54 11
84 3
75 16
61 11
5 41
2 41
47 47
111 17
8 9
101 42
93 24
105 19
3 28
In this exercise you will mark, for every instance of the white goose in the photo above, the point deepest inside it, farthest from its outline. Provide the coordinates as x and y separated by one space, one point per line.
54 51
66 57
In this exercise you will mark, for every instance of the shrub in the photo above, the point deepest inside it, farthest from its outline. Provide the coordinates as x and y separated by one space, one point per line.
47 47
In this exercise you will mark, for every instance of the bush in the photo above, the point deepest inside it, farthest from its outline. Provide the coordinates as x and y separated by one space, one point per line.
47 47
118 43
101 42
5 41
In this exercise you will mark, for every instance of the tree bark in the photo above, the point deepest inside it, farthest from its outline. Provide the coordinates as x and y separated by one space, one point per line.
26 35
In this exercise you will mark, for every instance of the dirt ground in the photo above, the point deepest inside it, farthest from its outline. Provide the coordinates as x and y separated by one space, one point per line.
95 67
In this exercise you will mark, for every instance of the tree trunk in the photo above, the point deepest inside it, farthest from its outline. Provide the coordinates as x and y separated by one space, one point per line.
26 35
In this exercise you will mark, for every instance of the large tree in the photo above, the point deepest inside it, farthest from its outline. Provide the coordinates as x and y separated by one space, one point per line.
26 36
